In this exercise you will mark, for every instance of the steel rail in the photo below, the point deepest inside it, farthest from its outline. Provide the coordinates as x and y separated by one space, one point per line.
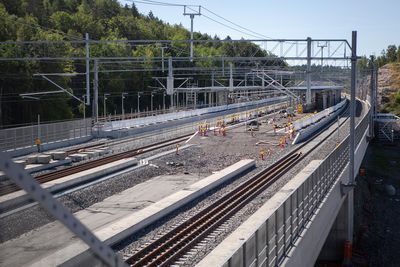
185 235
10 188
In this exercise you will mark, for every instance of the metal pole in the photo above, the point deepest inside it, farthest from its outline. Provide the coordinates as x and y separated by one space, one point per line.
138 104
308 74
162 58
352 133
38 126
191 36
371 94
96 90
163 102
84 109
87 69
104 106
338 130
122 106
151 103
170 82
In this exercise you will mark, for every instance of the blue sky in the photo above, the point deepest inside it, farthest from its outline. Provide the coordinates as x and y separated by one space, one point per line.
377 22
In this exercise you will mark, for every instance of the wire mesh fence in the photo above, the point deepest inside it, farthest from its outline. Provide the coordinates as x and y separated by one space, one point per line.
23 137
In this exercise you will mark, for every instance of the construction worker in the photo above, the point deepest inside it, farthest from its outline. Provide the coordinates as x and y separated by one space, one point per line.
274 128
177 149
281 143
262 153
38 143
269 152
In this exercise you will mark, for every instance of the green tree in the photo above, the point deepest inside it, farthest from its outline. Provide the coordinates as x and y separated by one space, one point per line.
391 53
398 53
62 21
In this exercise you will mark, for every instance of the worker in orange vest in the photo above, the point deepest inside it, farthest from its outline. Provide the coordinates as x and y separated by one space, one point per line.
262 153
38 143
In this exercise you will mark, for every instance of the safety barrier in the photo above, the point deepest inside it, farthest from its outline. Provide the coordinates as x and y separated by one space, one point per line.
116 125
285 223
302 123
317 121
24 137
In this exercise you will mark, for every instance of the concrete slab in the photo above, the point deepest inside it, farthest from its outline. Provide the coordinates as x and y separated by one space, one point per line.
112 219
58 155
78 157
43 159
22 163
101 151
91 154
31 159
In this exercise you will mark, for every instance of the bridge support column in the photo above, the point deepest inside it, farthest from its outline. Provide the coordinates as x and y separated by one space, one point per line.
331 98
334 245
324 100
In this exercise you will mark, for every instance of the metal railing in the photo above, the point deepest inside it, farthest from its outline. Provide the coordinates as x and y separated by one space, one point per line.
22 137
286 223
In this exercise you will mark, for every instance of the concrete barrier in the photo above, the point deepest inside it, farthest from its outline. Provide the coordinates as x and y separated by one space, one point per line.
305 122
317 122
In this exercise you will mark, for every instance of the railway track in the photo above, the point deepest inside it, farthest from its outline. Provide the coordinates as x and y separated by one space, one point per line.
10 188
169 247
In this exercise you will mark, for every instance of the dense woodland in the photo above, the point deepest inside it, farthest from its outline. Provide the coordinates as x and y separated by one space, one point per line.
389 55
63 20
24 20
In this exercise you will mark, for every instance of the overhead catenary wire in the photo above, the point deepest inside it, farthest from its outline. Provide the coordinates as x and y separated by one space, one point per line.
249 32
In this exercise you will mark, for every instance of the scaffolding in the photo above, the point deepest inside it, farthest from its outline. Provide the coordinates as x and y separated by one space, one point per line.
387 127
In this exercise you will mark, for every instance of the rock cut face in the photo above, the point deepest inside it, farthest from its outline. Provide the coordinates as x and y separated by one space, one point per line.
388 82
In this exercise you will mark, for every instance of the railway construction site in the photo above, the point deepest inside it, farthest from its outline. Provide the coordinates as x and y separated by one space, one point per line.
177 199
129 141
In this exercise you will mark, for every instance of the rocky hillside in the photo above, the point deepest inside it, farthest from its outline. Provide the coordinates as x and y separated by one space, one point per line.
389 88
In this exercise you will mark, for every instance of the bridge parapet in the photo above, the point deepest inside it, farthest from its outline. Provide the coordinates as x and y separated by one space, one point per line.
270 235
